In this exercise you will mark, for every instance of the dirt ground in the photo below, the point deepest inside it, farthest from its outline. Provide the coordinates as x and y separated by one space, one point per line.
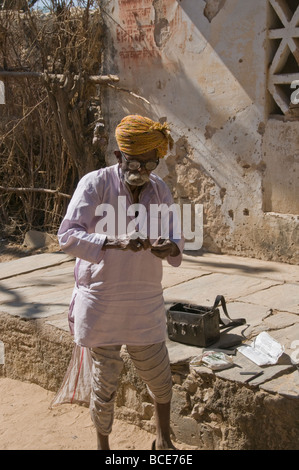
27 423
10 251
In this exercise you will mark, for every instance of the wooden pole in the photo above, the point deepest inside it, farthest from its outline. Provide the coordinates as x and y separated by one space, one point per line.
98 79
33 190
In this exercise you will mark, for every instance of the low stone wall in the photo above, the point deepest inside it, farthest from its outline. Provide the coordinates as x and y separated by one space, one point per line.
208 412
212 413
35 351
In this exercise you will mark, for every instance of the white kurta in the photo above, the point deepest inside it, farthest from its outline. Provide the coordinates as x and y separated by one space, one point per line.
118 296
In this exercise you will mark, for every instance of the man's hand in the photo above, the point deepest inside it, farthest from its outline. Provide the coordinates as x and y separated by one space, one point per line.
160 248
163 248
134 243
130 242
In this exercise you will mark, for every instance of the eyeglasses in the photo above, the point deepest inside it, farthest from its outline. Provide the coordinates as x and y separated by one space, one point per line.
135 164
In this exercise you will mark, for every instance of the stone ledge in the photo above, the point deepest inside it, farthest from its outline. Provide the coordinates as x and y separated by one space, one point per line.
211 410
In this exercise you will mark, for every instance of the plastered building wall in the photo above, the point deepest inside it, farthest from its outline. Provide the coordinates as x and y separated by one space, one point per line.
204 67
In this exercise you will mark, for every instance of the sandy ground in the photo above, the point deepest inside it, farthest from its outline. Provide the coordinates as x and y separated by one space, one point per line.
27 423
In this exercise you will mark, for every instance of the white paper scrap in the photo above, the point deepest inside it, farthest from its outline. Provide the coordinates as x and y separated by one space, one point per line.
264 350
215 360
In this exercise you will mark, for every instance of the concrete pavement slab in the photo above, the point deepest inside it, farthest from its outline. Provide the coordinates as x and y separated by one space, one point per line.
174 276
228 264
32 263
244 370
275 321
36 310
204 290
288 337
180 353
286 385
42 288
283 297
250 373
35 302
59 321
253 314
51 276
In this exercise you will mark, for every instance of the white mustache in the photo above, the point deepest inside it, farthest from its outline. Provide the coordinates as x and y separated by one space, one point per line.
136 179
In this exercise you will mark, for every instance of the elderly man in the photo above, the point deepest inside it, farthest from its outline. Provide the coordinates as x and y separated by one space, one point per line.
117 298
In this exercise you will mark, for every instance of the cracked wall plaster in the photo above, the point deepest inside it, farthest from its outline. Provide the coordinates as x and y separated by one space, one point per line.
162 28
212 8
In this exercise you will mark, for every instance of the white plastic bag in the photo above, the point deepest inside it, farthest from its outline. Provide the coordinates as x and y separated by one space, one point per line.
76 385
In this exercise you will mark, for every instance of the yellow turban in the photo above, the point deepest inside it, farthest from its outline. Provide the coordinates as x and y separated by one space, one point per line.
137 134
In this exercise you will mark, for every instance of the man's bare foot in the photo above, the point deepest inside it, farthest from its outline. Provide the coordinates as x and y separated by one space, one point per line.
102 442
163 445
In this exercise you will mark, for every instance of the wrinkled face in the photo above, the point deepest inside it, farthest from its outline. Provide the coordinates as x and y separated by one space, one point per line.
137 168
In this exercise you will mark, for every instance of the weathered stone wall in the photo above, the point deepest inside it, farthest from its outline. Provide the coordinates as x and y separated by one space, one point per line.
208 412
34 351
211 413
202 66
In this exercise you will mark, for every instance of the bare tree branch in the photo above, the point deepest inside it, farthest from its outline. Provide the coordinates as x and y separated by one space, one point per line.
128 91
97 79
34 190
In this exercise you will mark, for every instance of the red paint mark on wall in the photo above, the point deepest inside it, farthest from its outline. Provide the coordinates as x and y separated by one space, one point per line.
139 21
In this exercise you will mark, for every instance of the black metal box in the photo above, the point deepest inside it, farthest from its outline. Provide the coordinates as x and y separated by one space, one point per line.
194 325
